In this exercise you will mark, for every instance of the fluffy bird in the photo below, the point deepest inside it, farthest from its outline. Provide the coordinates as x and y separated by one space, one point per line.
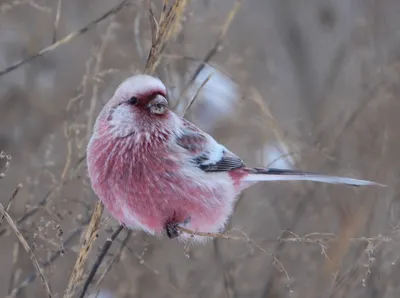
156 171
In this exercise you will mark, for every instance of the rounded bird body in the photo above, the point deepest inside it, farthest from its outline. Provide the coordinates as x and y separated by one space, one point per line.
154 170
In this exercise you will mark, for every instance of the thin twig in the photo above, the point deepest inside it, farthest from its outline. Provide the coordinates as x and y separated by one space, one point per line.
114 260
197 93
212 235
66 39
90 237
33 210
57 21
15 272
96 70
163 11
11 199
53 257
27 249
216 48
96 266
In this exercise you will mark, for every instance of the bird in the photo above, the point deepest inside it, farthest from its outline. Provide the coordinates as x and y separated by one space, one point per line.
156 171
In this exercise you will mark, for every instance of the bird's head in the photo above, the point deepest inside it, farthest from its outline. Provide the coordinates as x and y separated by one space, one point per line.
139 105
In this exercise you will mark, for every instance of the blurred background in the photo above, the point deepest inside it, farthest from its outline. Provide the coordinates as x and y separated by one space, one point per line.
310 84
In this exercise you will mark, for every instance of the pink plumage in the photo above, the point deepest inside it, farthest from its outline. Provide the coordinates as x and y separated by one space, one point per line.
154 170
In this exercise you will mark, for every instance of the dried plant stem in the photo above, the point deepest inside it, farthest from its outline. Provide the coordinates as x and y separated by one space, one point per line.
14 194
197 93
114 260
66 39
31 211
212 235
27 249
15 272
57 20
50 261
90 237
166 29
217 45
96 266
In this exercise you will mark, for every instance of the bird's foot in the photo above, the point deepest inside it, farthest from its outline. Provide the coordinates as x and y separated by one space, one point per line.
172 228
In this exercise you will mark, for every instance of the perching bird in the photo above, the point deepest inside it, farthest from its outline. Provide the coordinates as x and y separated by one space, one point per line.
155 171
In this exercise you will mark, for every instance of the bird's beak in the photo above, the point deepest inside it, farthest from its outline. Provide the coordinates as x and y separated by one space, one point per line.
158 105
159 100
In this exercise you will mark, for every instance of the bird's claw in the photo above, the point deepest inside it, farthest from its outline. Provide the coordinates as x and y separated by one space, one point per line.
172 230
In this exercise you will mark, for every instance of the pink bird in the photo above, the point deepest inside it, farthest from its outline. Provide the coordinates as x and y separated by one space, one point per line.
155 171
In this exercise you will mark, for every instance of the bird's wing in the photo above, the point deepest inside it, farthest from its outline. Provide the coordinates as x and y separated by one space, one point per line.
208 154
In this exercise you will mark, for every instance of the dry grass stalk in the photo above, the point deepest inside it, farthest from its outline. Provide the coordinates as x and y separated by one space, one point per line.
197 93
100 258
212 235
215 49
166 29
90 237
114 260
66 39
14 194
27 249
28 280
57 20
15 272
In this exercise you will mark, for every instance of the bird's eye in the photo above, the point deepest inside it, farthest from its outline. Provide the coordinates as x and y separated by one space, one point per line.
133 100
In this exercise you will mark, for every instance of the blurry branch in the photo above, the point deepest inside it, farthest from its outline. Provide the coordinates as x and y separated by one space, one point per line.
15 272
50 261
11 199
96 70
114 260
230 237
197 93
100 258
33 210
271 123
228 279
136 32
66 39
57 20
216 48
27 249
5 7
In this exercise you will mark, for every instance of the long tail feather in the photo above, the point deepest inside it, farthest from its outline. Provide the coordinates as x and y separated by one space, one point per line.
271 174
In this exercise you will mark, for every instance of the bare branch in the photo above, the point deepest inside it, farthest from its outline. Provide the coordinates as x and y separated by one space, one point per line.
66 39
27 249
96 266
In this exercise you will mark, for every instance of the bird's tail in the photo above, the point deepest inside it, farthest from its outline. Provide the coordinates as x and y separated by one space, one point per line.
271 174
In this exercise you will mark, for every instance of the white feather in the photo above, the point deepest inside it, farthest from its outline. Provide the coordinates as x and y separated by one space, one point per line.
215 152
310 177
